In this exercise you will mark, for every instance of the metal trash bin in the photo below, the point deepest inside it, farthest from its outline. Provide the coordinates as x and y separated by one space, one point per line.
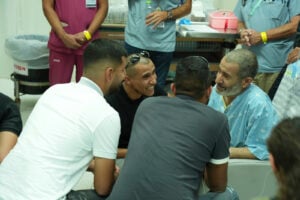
31 66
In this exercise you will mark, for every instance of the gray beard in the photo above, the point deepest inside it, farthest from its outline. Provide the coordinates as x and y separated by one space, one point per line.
233 91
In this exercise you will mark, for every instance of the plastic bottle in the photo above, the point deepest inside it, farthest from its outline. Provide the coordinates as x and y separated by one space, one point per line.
161 25
150 7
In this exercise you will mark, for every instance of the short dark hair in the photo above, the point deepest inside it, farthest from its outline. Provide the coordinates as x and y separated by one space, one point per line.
284 145
192 76
246 60
103 49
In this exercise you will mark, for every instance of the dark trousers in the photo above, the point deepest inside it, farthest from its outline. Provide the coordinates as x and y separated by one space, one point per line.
84 195
276 84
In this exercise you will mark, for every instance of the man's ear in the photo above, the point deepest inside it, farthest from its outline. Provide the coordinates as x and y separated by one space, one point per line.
109 74
173 88
208 91
272 163
127 79
246 82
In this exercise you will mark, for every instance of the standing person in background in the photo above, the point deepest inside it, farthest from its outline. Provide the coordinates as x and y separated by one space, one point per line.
10 125
74 24
70 125
151 27
268 28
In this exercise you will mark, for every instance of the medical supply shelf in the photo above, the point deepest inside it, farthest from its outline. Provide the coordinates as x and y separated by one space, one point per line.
212 45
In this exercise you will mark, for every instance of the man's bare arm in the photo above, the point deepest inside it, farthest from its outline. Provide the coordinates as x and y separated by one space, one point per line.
241 152
104 175
216 177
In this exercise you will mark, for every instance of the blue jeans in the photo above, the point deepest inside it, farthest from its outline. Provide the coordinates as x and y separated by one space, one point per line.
228 194
161 60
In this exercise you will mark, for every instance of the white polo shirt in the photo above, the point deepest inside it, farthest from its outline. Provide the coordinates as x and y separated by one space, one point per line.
70 124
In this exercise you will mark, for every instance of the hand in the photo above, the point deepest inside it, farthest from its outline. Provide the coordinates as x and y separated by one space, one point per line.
245 36
117 172
250 37
294 55
80 38
255 37
156 18
70 41
91 166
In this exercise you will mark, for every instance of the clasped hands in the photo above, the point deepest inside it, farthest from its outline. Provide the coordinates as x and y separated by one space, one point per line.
250 37
74 41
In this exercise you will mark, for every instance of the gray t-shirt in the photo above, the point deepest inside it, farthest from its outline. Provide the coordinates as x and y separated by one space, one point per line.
171 142
139 35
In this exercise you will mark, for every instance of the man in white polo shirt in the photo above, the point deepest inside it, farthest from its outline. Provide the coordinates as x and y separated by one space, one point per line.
70 125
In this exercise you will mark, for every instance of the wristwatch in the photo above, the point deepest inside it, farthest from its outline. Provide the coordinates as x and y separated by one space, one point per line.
169 14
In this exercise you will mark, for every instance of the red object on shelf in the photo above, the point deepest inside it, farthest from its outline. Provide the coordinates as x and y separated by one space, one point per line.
223 20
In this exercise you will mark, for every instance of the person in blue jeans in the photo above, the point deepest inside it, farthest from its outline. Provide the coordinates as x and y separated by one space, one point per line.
151 27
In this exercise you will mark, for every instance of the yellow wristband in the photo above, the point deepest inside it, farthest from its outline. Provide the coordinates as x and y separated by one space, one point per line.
87 35
264 37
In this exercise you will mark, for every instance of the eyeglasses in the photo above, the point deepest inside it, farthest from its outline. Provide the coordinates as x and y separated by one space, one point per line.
204 60
135 58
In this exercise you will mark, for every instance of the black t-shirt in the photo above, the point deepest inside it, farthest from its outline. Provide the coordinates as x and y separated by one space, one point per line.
127 109
10 117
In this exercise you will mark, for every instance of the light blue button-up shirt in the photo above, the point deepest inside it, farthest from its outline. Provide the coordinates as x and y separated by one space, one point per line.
251 117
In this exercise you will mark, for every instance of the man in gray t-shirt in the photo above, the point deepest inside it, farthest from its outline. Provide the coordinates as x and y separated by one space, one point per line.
175 140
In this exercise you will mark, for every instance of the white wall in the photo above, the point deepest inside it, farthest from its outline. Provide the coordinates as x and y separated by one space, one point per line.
225 4
18 17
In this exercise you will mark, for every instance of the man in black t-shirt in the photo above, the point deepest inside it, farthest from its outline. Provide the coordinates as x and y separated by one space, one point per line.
140 83
10 125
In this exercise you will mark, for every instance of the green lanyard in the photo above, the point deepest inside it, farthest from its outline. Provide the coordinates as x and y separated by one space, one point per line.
255 7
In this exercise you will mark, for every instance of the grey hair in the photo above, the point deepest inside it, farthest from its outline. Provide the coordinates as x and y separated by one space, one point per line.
246 60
